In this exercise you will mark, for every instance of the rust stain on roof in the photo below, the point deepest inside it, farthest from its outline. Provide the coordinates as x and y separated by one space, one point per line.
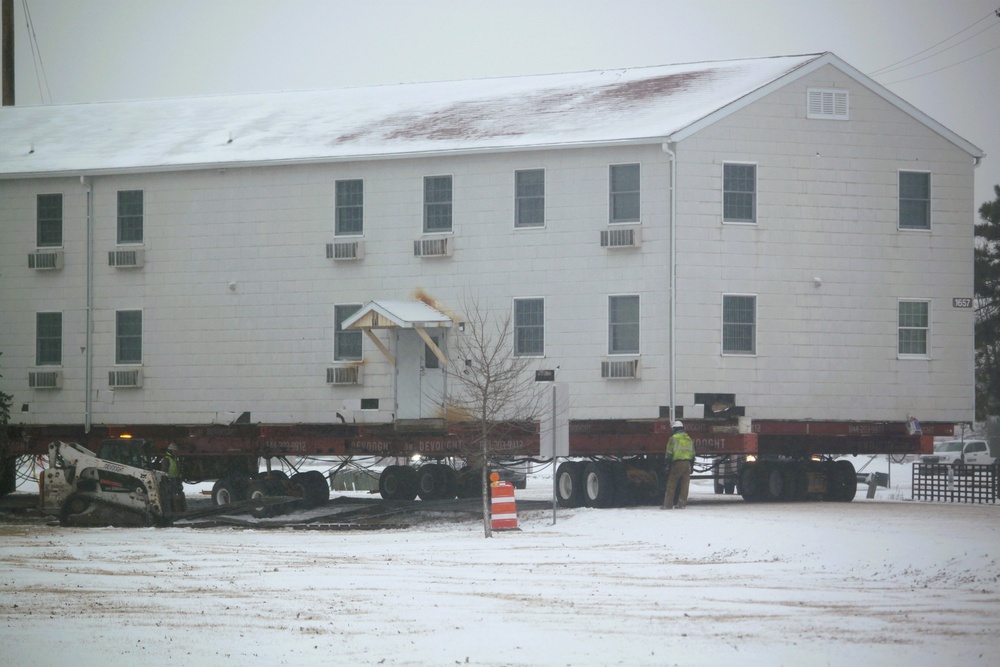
511 117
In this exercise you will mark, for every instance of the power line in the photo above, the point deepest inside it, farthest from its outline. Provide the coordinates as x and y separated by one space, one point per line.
890 83
36 55
882 70
885 71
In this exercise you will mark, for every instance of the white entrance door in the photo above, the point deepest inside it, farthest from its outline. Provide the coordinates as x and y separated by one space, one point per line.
420 377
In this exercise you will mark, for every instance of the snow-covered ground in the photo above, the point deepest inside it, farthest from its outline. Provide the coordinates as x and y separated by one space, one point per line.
885 581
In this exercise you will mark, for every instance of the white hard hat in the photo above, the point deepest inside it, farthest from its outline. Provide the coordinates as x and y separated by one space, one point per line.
677 424
172 447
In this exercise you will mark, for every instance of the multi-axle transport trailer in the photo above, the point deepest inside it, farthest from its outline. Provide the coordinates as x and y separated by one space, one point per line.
610 463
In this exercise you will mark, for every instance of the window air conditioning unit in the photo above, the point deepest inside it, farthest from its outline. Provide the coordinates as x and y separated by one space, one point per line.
620 370
621 237
45 259
345 250
439 247
126 258
343 375
45 379
125 378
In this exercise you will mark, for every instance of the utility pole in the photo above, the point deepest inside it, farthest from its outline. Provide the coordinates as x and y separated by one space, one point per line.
8 53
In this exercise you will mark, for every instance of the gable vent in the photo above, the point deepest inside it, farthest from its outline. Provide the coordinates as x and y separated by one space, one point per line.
345 250
132 258
620 237
827 103
45 259
125 378
45 379
343 375
432 247
620 370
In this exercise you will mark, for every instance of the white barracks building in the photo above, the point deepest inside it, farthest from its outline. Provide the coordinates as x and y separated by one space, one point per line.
782 234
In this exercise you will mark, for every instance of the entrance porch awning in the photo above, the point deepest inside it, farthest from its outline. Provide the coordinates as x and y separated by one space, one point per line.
415 315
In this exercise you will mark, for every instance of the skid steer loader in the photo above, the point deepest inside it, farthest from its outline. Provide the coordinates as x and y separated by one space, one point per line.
118 486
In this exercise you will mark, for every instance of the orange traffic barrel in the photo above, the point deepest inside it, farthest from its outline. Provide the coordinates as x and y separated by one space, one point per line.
503 509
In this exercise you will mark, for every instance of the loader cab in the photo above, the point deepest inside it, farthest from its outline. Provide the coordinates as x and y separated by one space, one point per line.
133 452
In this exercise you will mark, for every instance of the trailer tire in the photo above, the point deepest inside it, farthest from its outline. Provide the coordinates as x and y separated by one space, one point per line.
8 475
750 483
229 490
569 484
599 484
398 483
315 489
436 482
843 482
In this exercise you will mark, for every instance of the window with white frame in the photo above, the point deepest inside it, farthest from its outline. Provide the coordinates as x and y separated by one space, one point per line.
623 324
529 327
529 198
437 204
48 339
625 181
914 325
739 193
739 324
128 337
347 345
914 200
350 208
130 211
50 221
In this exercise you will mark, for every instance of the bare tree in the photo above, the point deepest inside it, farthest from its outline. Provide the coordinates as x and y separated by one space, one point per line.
490 386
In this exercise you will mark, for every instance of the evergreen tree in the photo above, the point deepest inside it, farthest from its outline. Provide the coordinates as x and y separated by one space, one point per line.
987 292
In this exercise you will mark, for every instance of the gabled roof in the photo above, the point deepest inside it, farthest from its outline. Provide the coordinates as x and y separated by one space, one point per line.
391 314
555 110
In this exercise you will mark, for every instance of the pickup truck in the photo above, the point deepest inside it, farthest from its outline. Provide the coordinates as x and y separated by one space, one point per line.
960 452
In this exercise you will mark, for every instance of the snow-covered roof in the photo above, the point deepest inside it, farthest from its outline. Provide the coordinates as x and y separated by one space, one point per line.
390 314
583 108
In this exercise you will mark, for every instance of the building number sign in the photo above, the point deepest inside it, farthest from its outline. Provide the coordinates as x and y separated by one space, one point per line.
959 302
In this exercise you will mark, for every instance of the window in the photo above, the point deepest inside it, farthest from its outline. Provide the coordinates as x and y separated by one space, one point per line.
48 339
350 208
914 322
437 204
128 337
623 324
529 195
529 327
430 359
739 193
914 200
347 345
130 216
624 193
739 323
50 213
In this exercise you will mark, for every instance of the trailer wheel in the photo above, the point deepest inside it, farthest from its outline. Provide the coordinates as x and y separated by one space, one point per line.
843 482
435 482
229 490
315 490
599 484
8 475
391 483
569 484
750 483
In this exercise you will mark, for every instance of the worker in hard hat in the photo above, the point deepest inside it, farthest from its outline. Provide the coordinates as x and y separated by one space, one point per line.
174 486
680 458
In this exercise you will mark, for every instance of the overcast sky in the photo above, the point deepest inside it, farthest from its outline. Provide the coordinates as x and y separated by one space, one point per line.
99 50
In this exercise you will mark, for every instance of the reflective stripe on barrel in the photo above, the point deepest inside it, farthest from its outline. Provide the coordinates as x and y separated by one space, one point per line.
503 510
